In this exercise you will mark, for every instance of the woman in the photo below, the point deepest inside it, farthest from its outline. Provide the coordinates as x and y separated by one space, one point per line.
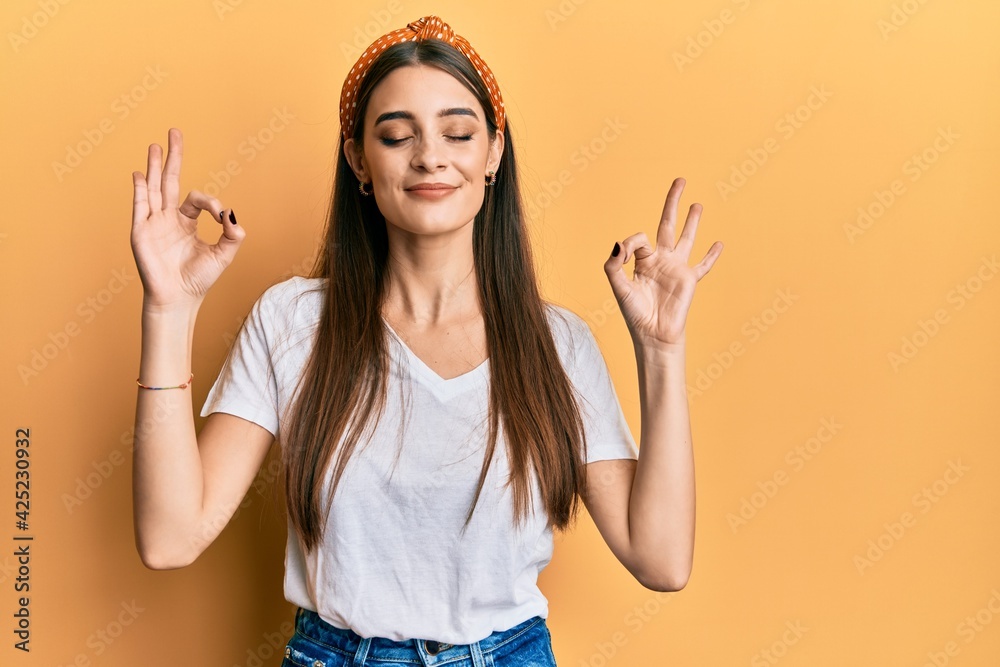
420 517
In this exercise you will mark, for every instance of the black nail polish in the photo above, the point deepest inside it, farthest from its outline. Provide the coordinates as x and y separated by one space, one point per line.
232 217
617 249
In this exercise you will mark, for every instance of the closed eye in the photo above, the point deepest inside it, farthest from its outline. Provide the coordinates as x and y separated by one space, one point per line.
389 141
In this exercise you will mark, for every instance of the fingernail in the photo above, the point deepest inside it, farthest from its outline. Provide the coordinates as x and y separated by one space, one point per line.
232 217
617 249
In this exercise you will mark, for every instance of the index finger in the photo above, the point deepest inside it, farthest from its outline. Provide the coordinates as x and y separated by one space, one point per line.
170 185
665 231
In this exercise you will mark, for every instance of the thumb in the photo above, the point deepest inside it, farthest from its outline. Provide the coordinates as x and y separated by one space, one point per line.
231 238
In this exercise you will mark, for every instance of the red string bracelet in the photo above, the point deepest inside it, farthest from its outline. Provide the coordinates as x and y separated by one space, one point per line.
180 386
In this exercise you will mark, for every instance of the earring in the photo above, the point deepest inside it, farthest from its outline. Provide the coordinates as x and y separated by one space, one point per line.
361 188
492 176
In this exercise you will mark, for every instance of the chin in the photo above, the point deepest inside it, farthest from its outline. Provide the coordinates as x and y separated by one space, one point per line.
430 218
430 225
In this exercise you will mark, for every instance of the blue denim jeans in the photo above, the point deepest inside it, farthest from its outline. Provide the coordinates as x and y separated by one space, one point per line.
316 643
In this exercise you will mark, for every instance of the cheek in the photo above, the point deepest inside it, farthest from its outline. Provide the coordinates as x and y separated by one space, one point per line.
388 171
382 160
472 167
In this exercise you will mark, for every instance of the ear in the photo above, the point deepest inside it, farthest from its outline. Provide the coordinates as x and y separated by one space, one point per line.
495 152
356 159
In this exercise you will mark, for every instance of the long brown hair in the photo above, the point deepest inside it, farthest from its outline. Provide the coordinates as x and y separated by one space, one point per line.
348 368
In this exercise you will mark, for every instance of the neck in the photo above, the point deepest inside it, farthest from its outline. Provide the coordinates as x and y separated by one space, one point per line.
432 277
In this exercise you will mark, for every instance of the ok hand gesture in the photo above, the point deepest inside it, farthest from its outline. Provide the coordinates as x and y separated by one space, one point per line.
175 266
655 302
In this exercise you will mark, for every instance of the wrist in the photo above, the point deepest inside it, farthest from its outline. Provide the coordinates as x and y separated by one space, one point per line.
183 385
181 309
646 349
661 356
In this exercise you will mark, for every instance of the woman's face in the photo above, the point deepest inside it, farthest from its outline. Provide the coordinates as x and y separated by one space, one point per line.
423 127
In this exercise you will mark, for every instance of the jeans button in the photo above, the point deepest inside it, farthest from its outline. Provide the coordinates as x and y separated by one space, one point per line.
432 646
318 663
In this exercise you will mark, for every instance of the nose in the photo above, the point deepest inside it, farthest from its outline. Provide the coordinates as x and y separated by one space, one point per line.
428 153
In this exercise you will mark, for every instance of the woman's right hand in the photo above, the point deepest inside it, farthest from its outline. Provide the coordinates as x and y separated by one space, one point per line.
175 266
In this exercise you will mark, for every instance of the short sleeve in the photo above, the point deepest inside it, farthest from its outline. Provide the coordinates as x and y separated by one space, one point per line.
608 433
247 386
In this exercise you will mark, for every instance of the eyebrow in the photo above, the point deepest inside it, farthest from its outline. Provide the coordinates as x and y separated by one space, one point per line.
453 111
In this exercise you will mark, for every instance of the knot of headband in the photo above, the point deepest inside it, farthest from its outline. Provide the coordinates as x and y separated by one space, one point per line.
428 27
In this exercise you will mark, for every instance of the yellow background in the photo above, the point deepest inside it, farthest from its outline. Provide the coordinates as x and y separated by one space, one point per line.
797 323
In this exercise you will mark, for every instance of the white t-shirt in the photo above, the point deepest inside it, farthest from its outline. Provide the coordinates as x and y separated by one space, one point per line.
393 562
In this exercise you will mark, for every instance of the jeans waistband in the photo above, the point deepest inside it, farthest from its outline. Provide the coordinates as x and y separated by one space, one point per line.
309 624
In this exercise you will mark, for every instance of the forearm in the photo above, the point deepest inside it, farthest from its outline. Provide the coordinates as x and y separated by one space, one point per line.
167 479
662 502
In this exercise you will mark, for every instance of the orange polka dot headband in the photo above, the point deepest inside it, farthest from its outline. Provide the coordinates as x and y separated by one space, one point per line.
428 27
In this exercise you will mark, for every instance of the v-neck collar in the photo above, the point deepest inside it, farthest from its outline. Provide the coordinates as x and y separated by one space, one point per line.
442 387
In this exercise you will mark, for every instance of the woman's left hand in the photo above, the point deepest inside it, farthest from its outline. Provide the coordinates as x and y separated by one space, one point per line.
655 302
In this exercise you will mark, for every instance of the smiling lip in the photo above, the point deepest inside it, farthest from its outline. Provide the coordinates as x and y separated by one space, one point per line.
431 190
432 186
